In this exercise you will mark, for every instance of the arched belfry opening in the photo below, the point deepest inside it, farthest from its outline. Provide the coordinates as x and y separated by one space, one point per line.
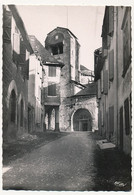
82 120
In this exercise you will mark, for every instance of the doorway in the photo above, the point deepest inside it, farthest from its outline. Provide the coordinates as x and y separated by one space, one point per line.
82 120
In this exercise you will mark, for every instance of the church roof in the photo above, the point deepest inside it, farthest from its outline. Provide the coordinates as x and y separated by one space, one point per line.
62 28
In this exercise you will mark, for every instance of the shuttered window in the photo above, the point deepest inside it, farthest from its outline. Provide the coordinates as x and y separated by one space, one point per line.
126 40
121 127
111 65
111 20
111 120
7 20
51 89
102 116
102 81
52 71
23 63
22 52
98 89
105 81
16 47
127 116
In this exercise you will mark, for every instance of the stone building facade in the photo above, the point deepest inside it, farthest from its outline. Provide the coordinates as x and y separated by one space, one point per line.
84 111
16 51
64 47
113 77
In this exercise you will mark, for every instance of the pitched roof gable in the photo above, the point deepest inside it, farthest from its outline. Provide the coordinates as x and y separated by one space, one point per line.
40 50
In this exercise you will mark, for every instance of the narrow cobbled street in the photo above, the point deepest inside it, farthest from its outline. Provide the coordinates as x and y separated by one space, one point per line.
64 164
70 163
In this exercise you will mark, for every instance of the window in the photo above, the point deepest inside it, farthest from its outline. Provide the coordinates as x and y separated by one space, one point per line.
16 47
98 90
127 116
13 106
57 48
111 21
111 121
52 71
56 37
105 80
22 52
111 65
121 127
102 81
51 89
21 113
126 27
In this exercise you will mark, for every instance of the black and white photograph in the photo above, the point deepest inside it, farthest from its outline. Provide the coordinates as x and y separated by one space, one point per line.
66 93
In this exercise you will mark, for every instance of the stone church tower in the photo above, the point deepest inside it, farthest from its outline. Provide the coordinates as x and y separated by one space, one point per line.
64 46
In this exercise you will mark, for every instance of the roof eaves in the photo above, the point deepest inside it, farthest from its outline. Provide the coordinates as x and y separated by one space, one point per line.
53 64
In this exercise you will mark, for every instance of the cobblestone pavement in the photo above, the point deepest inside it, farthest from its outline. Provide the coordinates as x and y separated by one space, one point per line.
70 163
64 164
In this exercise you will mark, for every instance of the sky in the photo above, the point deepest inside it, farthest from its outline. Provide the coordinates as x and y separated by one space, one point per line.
85 22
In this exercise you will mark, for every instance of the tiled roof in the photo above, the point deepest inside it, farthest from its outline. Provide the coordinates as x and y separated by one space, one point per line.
62 28
90 90
85 71
40 50
82 68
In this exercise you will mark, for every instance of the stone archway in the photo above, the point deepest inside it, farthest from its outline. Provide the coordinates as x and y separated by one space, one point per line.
82 120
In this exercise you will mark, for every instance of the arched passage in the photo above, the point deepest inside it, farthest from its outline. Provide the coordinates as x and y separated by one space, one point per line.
82 120
13 106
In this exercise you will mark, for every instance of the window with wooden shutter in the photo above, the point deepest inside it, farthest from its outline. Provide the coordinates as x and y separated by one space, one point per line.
22 52
111 21
51 89
121 127
102 115
127 116
52 71
102 81
105 81
98 89
111 65
111 120
104 46
7 21
126 27
23 60
16 47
